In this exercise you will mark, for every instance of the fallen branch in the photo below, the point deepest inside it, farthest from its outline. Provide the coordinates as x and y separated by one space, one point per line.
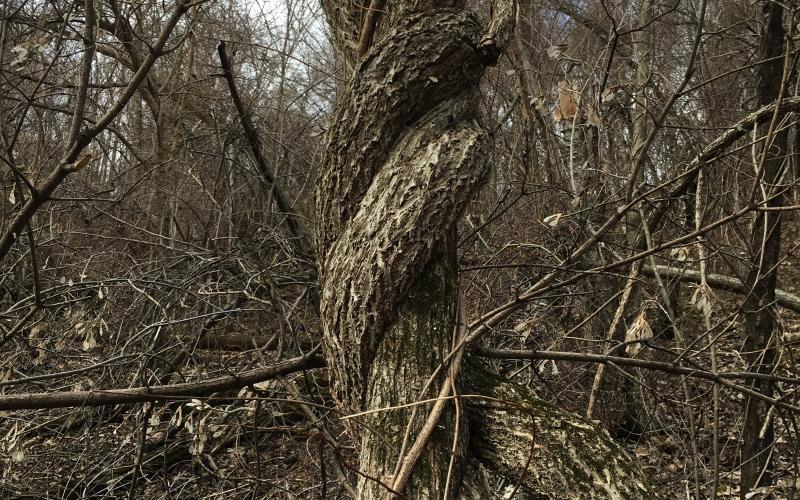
313 360
368 28
571 457
101 397
720 282
662 366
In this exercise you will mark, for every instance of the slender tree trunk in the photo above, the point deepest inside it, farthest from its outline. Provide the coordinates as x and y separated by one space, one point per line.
759 307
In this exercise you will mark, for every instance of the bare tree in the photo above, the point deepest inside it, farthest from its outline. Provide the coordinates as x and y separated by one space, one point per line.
760 325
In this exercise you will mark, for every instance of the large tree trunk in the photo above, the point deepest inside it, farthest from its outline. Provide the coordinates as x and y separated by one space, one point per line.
406 152
759 307
405 155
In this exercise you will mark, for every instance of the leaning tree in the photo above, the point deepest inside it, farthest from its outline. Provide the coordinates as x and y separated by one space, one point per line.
406 152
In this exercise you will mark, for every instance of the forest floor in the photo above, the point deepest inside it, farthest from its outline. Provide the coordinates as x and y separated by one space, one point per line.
270 447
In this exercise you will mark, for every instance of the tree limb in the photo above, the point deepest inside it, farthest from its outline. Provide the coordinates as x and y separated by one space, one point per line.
720 282
368 28
65 165
101 397
719 378
684 181
300 241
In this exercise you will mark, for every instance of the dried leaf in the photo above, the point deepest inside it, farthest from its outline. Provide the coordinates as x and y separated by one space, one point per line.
14 445
40 357
21 54
680 254
567 102
18 454
199 439
608 94
639 330
552 220
593 118
81 162
526 326
197 404
556 51
177 417
701 299
90 342
154 420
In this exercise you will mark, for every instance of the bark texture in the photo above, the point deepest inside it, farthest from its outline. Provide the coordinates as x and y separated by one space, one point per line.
548 452
405 155
406 152
759 307
411 350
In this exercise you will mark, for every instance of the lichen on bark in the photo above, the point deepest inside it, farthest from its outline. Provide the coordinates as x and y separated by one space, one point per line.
412 349
550 452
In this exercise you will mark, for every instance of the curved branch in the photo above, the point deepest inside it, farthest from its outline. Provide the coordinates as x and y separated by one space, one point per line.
66 164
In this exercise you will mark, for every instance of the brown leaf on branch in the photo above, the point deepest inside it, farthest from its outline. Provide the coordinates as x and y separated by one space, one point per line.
81 162
567 102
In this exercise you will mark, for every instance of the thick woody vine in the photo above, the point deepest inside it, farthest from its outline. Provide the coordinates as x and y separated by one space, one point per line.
406 152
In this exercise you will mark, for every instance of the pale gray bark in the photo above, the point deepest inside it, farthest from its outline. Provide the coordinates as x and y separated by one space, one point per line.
406 152
548 452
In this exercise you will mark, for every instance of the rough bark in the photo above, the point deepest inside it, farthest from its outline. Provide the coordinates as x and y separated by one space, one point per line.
411 350
404 158
571 457
405 155
406 152
760 320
